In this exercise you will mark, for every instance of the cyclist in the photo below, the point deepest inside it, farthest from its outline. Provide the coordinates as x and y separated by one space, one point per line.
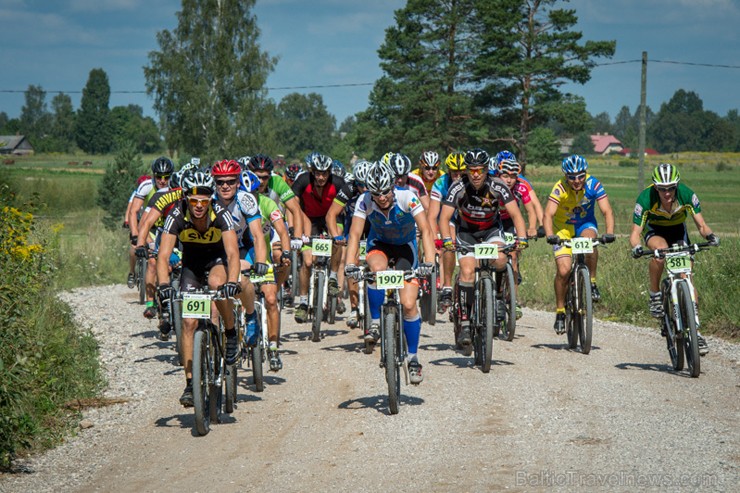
663 209
429 169
493 169
478 200
292 172
455 163
508 172
317 190
401 165
130 281
210 257
394 216
569 213
162 168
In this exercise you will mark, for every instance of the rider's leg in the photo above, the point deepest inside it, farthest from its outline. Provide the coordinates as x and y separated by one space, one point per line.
562 264
376 261
411 317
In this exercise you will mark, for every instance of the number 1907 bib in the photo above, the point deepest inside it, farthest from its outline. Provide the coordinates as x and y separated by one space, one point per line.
389 279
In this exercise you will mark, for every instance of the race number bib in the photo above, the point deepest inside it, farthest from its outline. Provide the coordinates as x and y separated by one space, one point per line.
389 279
679 263
486 251
196 305
321 247
509 238
363 249
581 245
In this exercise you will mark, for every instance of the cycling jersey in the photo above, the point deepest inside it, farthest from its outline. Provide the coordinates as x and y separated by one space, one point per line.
243 209
648 210
441 187
163 201
142 191
316 206
521 191
576 208
429 184
478 209
398 227
416 185
269 213
196 246
279 191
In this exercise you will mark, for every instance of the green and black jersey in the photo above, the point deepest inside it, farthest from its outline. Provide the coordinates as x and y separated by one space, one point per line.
648 210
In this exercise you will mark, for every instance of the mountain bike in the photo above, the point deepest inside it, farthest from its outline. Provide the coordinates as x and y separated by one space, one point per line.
212 377
140 278
393 350
579 314
318 286
171 313
428 300
505 282
256 354
680 317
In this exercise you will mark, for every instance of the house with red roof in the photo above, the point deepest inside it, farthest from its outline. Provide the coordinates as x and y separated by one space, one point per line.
606 144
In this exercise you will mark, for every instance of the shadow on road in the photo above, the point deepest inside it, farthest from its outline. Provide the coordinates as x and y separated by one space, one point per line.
662 368
465 362
355 347
560 347
379 403
306 336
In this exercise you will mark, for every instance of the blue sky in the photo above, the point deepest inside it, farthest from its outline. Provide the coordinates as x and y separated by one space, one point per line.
55 44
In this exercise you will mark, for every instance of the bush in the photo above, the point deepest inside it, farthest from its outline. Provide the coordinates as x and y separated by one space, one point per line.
118 183
628 163
44 360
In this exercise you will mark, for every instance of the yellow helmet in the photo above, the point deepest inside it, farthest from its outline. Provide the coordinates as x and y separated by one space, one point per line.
456 161
387 158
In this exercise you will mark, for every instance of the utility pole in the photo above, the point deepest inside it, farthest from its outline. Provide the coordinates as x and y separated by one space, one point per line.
643 111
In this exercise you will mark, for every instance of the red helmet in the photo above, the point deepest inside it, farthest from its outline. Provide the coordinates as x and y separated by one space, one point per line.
227 167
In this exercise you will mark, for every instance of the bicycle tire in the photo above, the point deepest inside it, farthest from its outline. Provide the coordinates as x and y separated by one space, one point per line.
508 293
674 345
141 279
318 307
257 353
201 383
690 341
366 320
477 328
572 320
177 326
294 276
392 375
585 305
486 324
230 377
331 316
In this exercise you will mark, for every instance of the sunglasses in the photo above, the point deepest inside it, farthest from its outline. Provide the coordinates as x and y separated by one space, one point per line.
162 177
199 202
579 176
381 194
477 171
666 189
227 183
431 168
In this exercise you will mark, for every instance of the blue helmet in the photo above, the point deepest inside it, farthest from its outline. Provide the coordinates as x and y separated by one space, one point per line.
574 164
250 181
309 158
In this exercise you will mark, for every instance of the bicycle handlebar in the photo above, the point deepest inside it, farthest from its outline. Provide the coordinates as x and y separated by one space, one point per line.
662 252
595 241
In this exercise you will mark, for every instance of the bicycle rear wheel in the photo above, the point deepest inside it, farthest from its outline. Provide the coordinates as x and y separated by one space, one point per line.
585 309
141 279
318 307
486 324
257 353
688 321
331 306
230 377
508 294
294 276
176 319
201 383
392 375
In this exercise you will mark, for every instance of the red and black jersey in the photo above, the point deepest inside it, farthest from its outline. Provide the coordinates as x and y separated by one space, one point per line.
314 205
478 209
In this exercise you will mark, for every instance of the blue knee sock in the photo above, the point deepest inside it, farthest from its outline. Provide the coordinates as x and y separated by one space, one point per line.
375 298
412 329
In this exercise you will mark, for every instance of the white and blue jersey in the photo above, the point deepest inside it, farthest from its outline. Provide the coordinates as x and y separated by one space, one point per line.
398 227
243 210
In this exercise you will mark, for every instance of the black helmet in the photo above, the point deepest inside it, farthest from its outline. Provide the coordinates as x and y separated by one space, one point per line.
163 166
261 162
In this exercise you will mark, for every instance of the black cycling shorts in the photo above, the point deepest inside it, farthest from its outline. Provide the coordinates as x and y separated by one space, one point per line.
676 234
195 274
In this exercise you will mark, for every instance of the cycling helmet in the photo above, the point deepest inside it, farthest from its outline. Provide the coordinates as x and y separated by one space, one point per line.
337 169
292 171
429 158
250 181
227 167
260 162
175 179
455 161
509 165
360 171
321 162
349 178
279 162
309 158
665 175
195 161
243 162
574 164
188 167
401 164
476 157
198 183
163 166
380 178
387 158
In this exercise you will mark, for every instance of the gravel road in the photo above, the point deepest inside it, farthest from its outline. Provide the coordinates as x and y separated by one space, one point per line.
544 418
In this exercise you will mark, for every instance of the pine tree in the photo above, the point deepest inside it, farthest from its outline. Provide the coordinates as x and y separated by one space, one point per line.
93 127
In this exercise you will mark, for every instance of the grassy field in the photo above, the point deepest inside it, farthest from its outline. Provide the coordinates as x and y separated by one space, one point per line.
90 254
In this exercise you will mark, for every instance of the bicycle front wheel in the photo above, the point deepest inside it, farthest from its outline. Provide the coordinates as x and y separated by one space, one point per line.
508 294
141 279
485 325
688 322
675 345
201 383
257 352
585 309
318 307
391 324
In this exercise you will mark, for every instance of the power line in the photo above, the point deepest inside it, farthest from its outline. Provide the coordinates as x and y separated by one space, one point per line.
358 84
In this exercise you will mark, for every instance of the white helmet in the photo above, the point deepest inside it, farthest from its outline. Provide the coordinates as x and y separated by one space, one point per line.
429 158
319 162
401 164
360 170
380 178
198 183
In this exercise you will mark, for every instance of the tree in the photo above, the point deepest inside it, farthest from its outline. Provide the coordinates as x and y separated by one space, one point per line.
129 125
582 144
602 123
528 51
63 123
93 128
117 182
208 77
424 100
304 124
35 120
543 147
